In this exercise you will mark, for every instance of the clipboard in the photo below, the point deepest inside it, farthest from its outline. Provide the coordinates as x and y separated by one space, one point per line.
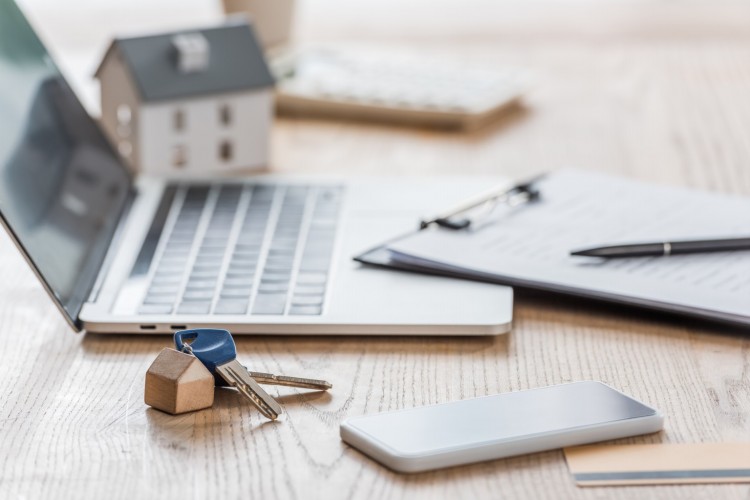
463 243
457 218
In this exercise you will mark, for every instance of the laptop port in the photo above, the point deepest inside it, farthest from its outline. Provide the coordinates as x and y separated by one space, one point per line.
148 327
178 327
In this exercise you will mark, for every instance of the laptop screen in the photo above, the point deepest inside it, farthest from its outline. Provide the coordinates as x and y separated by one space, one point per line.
62 187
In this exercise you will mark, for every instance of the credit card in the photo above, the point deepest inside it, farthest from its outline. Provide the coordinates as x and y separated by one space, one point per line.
606 465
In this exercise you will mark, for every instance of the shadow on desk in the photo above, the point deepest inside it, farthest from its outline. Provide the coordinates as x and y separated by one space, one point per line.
302 345
511 115
568 310
552 462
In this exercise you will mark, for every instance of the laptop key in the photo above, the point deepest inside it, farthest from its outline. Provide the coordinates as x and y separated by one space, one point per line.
275 261
212 251
201 283
161 277
171 267
231 306
309 290
243 292
208 261
198 307
277 271
273 287
314 265
305 310
307 300
239 281
270 303
275 278
312 278
191 295
163 289
155 309
243 267
200 267
247 247
203 275
244 259
160 299
235 272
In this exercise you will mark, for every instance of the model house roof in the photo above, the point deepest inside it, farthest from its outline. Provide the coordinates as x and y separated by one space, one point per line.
190 63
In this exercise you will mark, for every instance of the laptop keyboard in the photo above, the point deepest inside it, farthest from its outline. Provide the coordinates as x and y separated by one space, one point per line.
241 249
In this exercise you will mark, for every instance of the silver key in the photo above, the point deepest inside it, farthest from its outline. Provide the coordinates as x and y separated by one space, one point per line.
237 376
305 383
215 348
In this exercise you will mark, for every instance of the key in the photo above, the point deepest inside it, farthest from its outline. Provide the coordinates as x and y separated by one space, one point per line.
304 383
262 377
305 310
216 350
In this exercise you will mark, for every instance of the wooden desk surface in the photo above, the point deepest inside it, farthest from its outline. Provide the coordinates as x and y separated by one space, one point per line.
648 89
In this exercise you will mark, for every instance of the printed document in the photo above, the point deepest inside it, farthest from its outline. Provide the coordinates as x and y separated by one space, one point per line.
530 245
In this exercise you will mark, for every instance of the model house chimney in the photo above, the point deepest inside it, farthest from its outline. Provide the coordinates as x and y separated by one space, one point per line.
193 52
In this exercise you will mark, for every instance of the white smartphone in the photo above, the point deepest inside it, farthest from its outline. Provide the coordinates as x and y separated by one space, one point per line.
504 425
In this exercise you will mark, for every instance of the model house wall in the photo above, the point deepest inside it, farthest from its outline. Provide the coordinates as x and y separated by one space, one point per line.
120 108
229 131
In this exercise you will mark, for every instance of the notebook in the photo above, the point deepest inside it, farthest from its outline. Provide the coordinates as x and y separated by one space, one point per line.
529 246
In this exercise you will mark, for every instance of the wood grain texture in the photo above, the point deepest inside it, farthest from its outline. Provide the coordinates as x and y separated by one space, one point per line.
648 89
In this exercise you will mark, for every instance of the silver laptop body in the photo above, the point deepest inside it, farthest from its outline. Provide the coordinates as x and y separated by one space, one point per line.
280 262
264 255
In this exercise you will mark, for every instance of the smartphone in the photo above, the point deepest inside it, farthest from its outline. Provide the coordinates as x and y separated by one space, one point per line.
504 425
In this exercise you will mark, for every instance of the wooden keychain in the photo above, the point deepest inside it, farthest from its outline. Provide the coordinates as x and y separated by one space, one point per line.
178 383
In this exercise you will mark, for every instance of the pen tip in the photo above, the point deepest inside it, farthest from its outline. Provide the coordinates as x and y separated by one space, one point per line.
585 253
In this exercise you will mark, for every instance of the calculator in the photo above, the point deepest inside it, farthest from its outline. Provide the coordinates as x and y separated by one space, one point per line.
393 87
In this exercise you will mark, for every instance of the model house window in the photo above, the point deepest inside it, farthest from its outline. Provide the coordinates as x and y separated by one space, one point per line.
124 116
179 156
225 114
178 119
225 151
125 148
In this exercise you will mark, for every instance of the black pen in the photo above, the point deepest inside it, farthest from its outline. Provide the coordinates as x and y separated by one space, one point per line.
665 248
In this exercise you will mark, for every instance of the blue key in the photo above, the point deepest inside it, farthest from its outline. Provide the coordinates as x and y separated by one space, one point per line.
216 350
214 341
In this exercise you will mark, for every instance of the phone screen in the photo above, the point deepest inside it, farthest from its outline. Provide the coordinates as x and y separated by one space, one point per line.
508 416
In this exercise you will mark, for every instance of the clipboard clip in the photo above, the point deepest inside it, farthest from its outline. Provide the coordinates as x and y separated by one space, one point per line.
485 203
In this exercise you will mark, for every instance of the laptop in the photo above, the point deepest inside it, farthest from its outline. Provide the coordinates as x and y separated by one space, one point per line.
258 255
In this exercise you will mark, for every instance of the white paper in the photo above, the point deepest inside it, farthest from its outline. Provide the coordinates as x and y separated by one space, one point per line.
531 245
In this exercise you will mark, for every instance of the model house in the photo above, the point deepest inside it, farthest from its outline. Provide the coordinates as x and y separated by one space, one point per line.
191 101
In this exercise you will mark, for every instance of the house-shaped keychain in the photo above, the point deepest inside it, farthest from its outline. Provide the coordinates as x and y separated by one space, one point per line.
198 101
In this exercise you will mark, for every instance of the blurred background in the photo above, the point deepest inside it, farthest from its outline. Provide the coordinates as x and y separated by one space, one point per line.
645 88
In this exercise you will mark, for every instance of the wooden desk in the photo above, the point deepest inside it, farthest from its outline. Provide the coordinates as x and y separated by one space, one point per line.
652 90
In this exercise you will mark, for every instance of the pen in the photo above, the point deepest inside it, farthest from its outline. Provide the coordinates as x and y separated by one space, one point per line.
666 248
